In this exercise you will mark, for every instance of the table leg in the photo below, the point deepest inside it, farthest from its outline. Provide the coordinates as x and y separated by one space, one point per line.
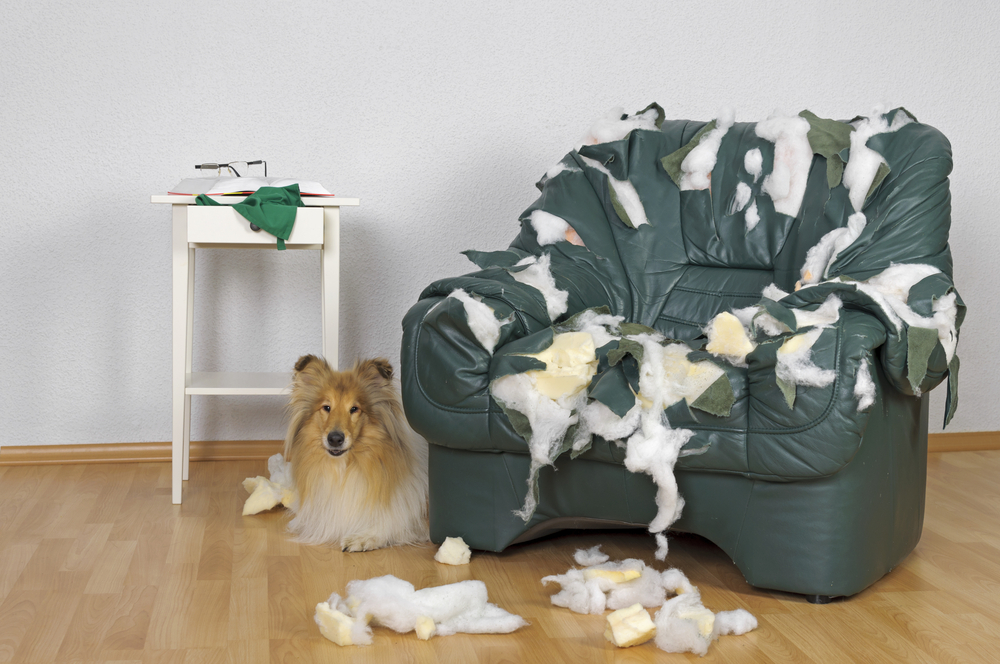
181 274
330 285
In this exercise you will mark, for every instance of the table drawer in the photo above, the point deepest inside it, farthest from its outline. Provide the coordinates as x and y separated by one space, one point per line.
223 224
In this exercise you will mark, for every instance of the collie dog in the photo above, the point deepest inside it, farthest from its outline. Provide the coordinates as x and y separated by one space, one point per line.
360 471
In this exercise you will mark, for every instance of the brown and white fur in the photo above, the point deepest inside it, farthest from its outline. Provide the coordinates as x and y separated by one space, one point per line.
360 471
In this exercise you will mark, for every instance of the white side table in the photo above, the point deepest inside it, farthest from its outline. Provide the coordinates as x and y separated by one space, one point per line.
317 226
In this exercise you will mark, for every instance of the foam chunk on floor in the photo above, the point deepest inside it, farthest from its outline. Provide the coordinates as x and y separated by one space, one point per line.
453 551
391 602
267 493
629 627
482 320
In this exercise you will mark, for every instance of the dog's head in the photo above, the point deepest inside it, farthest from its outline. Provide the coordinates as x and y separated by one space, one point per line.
331 409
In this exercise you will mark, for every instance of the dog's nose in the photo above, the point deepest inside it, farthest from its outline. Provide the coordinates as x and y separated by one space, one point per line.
335 438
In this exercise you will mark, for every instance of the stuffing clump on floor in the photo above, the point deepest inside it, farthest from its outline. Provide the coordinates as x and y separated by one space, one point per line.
682 623
267 493
391 602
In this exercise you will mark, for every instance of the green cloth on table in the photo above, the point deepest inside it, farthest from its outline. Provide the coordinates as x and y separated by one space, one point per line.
272 209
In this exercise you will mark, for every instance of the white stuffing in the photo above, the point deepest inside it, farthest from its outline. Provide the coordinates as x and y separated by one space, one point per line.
549 228
482 319
752 217
825 315
746 314
735 622
863 163
786 184
538 275
683 624
864 386
653 450
821 256
666 375
591 556
560 168
549 419
616 125
698 164
596 419
795 366
627 194
602 327
743 194
753 161
391 602
772 292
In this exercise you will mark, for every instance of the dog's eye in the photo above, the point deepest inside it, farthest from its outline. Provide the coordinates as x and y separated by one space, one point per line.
326 409
354 409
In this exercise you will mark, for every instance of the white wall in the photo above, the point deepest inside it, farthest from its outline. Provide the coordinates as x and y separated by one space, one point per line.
440 119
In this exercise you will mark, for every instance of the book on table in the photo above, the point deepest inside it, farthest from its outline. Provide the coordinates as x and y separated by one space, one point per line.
244 186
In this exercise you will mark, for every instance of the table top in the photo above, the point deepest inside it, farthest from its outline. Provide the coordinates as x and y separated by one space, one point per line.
308 201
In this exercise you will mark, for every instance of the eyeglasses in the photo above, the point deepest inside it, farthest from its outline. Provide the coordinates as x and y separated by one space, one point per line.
245 165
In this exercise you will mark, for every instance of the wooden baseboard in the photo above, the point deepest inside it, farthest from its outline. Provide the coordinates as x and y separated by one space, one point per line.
202 450
238 450
964 441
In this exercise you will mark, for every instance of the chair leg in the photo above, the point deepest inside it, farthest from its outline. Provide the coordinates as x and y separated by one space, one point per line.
819 599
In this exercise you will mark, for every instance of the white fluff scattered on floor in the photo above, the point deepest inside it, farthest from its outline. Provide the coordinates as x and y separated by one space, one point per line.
548 227
786 184
482 320
538 275
616 125
391 602
698 164
864 386
626 192
683 624
863 163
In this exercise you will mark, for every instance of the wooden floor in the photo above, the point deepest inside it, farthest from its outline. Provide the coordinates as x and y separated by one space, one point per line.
96 565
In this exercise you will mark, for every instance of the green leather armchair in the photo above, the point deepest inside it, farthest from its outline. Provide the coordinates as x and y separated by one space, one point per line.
822 495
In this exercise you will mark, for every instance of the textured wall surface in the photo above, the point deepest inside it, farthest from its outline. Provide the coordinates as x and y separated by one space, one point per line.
440 119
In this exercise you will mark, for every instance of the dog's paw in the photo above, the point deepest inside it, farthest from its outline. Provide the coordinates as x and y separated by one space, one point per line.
356 544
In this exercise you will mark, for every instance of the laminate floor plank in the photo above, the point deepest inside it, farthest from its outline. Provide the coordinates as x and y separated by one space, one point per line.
96 565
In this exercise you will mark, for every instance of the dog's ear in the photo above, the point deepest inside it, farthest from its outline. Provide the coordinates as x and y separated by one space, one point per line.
304 361
310 368
377 367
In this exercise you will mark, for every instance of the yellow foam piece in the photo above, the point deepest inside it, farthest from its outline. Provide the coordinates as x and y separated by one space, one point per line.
728 337
570 364
453 551
629 627
614 575
798 342
425 628
703 617
334 625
